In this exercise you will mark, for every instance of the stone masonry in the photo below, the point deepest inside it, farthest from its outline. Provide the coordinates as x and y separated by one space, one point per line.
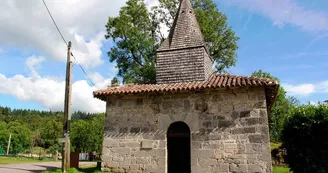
229 130
226 114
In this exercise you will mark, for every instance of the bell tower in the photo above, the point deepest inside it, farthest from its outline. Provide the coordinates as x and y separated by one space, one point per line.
183 56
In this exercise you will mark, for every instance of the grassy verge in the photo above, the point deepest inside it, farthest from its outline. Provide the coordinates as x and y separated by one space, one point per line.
277 169
274 145
8 160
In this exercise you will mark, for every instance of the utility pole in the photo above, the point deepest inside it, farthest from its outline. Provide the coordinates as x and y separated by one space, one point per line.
67 112
8 144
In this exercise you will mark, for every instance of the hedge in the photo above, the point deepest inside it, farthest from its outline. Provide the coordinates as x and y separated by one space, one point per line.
305 137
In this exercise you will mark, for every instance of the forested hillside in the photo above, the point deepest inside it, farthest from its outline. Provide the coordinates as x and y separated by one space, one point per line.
33 128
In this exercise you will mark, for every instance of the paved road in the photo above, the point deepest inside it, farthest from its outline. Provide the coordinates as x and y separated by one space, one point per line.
34 167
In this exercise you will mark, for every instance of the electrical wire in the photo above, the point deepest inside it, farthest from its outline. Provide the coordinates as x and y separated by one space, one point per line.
53 20
86 75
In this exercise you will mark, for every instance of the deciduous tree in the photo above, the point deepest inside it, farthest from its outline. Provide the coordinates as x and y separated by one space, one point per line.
87 135
20 136
137 33
115 82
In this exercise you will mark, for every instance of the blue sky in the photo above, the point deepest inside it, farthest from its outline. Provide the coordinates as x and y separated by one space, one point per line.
287 38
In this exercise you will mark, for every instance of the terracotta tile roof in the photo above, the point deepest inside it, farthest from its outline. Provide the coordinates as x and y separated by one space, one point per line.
215 81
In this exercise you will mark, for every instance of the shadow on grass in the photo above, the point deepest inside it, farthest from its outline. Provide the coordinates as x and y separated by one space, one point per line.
89 169
47 168
93 169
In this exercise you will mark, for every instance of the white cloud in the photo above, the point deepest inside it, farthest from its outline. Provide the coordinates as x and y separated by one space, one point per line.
323 87
314 103
88 53
316 39
49 92
164 30
303 89
283 12
99 80
32 63
26 26
306 89
113 69
151 3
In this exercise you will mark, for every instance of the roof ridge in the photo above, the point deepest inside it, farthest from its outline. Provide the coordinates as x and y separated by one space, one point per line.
249 77
212 82
191 83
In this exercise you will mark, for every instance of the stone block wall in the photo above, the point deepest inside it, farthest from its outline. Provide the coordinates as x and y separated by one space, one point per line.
229 131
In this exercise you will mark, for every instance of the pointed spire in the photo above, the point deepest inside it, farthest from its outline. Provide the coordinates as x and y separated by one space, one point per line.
185 31
183 56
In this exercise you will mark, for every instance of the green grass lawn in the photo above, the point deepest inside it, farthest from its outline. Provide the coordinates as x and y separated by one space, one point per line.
80 170
274 145
277 169
8 160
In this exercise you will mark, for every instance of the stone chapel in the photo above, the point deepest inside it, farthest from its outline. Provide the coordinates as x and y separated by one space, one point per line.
191 120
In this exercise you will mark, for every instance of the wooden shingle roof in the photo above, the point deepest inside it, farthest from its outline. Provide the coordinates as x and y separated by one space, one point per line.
185 31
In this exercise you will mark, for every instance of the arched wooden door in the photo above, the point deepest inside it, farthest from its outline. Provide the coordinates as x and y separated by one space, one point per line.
178 148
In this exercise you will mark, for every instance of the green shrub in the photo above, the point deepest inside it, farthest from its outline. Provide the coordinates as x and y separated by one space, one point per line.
305 138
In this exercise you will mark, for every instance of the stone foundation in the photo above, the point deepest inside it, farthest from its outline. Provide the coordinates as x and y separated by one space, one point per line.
229 131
